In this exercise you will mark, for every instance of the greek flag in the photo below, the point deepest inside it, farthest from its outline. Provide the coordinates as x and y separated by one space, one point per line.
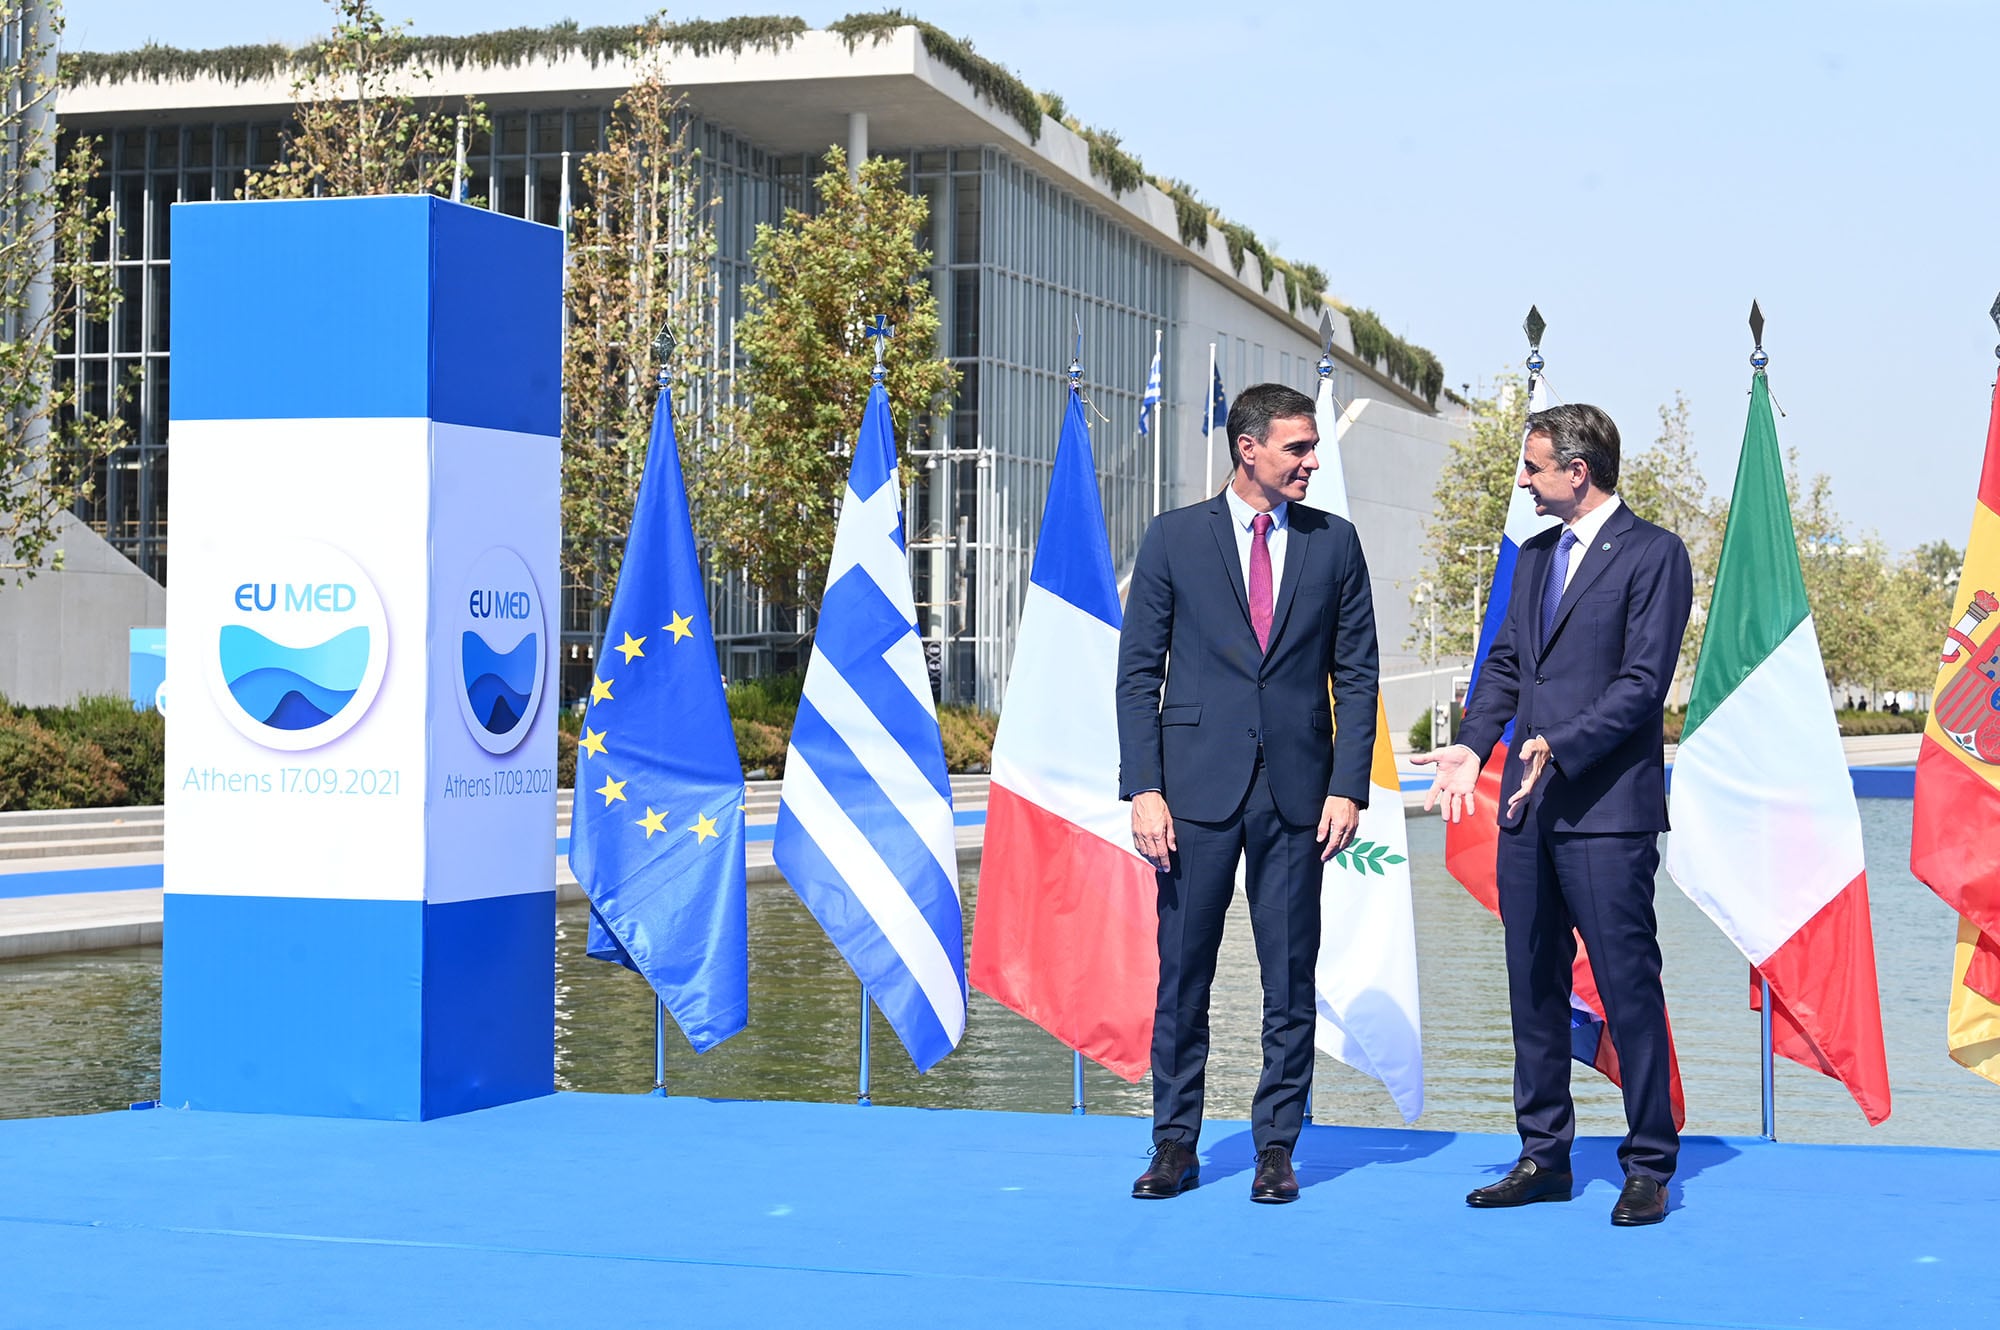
1152 397
865 830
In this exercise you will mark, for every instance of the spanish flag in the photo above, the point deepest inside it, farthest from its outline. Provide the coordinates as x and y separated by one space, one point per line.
1952 846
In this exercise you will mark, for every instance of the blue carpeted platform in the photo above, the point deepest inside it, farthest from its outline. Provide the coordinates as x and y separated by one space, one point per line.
598 1210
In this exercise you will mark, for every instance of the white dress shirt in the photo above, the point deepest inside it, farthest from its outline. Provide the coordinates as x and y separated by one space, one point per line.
1242 514
1586 528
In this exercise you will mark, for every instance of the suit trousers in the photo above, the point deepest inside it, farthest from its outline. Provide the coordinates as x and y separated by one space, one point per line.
1282 879
1602 885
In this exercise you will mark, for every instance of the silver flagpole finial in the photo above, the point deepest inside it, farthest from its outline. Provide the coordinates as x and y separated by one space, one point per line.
1325 366
881 332
1534 325
1757 357
663 352
1076 359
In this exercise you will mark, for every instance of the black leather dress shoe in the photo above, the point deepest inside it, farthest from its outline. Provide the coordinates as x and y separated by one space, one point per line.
1525 1184
1175 1170
1644 1201
1275 1183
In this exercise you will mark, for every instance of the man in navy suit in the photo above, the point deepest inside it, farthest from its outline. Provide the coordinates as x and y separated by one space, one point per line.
1248 626
1581 669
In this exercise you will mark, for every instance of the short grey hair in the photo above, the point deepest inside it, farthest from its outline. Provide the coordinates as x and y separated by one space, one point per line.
1577 429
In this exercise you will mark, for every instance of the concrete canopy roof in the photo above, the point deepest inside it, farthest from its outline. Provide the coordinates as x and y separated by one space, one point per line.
790 97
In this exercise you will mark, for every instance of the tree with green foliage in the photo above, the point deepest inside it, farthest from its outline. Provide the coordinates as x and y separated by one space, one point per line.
357 125
1468 513
642 244
1664 484
767 499
51 228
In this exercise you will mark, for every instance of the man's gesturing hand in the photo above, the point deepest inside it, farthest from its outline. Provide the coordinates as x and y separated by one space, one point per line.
1457 777
1153 829
1338 822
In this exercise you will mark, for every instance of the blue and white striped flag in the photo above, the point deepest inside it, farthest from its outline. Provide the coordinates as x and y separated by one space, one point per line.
1152 397
865 830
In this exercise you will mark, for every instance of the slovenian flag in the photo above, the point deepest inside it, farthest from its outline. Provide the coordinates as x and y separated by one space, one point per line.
1365 985
1767 838
1472 844
1065 929
1958 783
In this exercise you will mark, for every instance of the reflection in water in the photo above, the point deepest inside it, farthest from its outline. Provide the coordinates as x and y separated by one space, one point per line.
81 1033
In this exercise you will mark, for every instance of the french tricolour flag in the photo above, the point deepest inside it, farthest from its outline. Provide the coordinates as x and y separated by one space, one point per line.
1471 846
1064 932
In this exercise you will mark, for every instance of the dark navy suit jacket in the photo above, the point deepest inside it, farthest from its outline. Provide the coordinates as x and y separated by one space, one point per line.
1597 688
1187 627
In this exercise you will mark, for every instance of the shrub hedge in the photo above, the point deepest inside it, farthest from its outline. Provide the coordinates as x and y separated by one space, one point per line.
99 751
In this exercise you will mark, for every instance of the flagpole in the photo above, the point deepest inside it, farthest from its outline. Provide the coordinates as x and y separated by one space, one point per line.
458 166
861 1097
1076 1105
1767 1054
1208 407
659 1047
1158 333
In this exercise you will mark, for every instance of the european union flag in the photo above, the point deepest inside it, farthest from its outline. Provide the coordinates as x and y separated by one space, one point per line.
656 836
1218 409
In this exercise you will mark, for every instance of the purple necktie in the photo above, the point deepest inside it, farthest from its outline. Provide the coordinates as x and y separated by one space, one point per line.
1552 589
1260 579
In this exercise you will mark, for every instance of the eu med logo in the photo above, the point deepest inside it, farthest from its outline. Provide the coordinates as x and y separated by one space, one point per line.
500 657
300 644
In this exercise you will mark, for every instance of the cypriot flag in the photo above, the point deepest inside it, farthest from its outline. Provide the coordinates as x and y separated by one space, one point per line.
1366 982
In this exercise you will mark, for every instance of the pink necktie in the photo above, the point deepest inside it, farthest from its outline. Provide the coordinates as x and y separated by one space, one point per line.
1260 579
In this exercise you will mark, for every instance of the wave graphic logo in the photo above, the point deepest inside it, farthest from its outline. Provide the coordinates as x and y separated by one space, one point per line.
502 659
301 645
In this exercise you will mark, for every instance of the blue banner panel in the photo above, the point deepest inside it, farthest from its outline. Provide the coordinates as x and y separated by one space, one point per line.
292 1005
496 334
489 1008
405 307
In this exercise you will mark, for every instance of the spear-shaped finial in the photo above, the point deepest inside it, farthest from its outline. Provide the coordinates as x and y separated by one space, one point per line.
1534 325
881 332
1076 359
1757 357
1325 366
663 352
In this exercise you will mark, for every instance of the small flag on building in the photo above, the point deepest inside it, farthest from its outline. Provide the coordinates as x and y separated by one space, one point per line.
1218 406
656 835
865 832
1767 838
1365 985
1067 921
1150 400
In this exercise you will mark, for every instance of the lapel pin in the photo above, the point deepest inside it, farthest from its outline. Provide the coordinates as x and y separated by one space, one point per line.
1607 546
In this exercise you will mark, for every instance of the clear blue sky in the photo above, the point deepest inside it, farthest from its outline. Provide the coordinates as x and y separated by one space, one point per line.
1640 171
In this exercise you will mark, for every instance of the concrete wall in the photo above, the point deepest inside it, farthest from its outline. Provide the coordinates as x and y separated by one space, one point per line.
65 634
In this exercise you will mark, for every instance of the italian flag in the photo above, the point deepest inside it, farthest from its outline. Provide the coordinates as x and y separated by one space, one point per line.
1958 783
1766 837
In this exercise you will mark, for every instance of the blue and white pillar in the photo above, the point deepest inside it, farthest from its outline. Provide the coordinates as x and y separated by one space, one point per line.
360 904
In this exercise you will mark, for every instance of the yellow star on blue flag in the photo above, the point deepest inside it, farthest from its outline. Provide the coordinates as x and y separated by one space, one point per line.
670 906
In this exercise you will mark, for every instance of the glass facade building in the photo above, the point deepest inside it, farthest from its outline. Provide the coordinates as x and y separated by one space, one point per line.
1026 255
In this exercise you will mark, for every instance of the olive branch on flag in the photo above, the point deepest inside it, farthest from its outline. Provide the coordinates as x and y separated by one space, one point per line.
1367 856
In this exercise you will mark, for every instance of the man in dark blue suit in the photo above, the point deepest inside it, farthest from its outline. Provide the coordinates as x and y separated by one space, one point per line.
1581 669
1249 625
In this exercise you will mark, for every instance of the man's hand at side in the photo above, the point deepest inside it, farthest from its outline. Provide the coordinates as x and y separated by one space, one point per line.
1153 829
1534 761
1457 777
1338 822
